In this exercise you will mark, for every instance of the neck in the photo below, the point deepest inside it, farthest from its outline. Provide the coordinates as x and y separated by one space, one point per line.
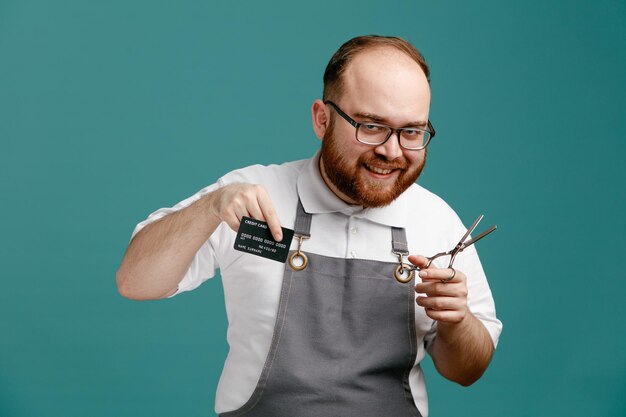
332 186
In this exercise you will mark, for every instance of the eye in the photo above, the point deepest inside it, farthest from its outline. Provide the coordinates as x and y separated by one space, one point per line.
412 133
370 128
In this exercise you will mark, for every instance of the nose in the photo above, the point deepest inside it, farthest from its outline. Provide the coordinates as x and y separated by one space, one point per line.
390 149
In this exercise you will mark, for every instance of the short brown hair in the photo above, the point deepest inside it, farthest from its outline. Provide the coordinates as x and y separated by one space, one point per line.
333 84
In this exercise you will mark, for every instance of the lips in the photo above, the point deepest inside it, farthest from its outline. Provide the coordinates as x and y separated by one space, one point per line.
379 170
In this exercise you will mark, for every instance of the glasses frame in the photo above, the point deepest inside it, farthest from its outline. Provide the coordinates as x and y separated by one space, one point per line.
392 130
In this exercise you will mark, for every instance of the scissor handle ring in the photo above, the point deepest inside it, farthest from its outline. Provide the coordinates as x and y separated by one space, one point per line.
298 255
400 269
451 277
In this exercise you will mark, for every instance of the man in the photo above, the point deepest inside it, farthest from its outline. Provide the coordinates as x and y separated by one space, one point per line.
340 336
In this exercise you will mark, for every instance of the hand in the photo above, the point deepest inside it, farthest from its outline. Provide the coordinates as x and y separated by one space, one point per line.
443 301
231 202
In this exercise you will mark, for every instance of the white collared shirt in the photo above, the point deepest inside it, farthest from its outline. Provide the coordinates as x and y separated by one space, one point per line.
252 284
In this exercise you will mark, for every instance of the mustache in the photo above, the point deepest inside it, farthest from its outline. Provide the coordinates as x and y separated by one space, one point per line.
381 162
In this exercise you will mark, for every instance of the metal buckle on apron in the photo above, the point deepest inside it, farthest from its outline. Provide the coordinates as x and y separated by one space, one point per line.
298 260
403 273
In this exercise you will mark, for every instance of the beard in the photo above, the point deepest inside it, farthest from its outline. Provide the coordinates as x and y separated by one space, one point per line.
348 178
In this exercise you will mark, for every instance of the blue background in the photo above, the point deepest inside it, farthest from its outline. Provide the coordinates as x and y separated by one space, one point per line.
110 110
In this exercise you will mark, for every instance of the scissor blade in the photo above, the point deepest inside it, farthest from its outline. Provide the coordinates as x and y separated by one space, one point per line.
480 236
470 230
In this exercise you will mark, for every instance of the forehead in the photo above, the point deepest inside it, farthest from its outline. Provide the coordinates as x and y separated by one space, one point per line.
386 82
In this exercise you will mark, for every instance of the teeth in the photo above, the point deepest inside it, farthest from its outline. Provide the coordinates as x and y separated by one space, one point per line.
380 170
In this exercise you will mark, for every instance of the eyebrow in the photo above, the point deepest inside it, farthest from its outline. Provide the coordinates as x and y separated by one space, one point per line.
382 120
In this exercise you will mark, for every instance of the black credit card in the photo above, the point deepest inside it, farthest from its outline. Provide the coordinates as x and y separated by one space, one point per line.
254 237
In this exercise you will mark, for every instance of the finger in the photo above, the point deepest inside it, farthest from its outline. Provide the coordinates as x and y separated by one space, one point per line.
253 209
418 260
441 303
442 274
438 288
446 316
269 214
232 220
244 202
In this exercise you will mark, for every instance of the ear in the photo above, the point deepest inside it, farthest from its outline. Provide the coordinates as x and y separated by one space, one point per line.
320 118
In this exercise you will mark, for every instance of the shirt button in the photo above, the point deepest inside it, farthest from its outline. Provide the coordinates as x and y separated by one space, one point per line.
353 254
353 230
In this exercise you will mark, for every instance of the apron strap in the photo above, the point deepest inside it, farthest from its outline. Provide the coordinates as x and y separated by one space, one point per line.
398 241
303 222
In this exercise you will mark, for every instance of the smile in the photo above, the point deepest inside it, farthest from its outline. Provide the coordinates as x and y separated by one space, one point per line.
377 170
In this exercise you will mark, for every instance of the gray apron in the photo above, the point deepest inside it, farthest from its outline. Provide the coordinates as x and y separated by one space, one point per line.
344 340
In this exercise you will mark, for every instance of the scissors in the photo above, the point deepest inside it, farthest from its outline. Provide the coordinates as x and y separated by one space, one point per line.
404 272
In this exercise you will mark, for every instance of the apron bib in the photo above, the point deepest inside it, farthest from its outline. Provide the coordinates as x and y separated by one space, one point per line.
344 341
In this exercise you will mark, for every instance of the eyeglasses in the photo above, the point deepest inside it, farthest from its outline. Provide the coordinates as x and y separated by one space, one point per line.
411 138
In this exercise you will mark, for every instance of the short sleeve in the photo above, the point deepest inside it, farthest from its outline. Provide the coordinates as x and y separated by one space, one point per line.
479 298
204 263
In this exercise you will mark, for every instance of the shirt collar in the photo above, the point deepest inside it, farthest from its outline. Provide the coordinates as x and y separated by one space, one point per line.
317 198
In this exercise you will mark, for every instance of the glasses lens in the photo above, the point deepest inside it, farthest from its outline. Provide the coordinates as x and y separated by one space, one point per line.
372 134
414 138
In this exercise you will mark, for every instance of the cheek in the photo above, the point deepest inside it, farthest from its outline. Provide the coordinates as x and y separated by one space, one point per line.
415 158
352 150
